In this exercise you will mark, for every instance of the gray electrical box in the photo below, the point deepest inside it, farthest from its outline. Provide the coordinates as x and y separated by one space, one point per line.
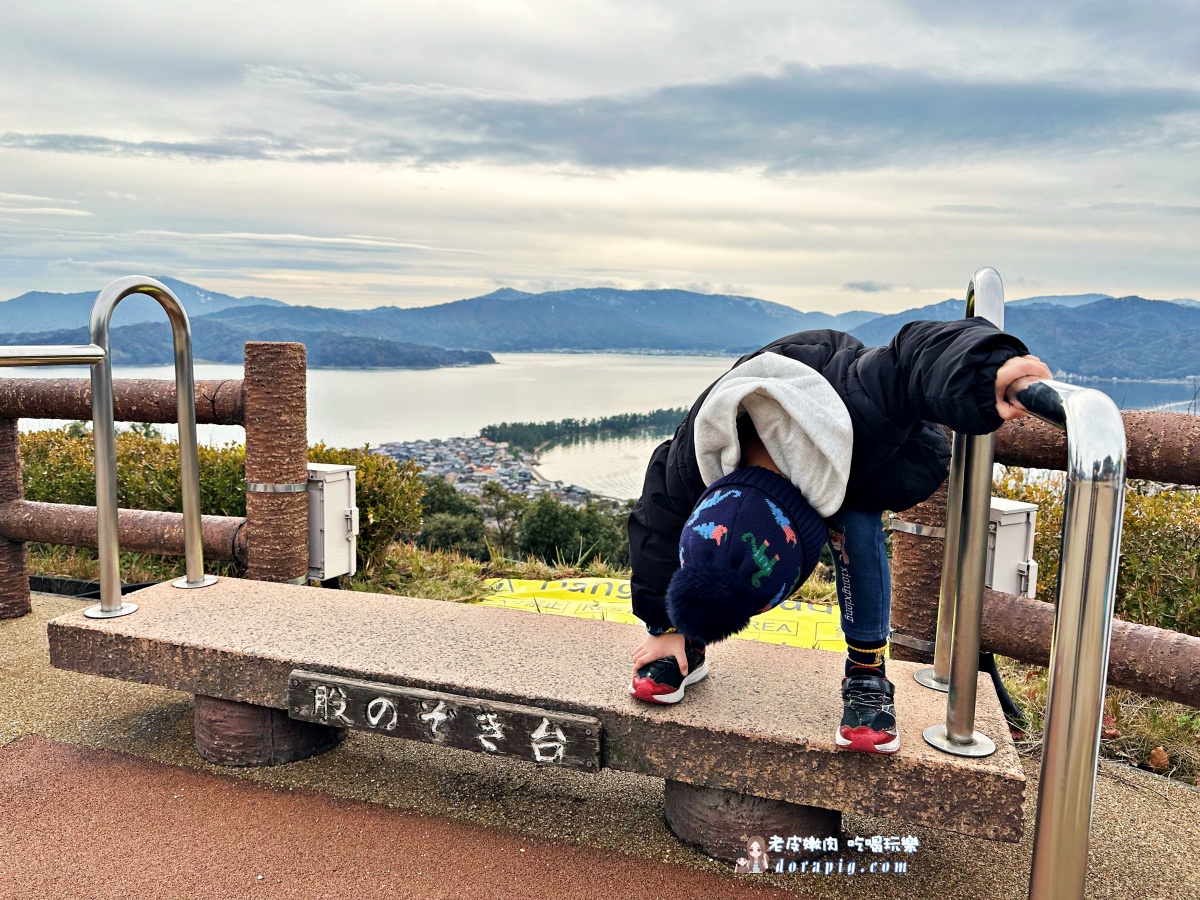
1010 566
332 520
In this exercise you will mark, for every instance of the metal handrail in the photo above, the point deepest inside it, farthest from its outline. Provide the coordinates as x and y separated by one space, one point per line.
964 564
93 355
104 434
1087 583
98 356
51 355
1092 518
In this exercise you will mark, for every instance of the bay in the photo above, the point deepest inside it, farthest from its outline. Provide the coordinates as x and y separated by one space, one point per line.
615 466
353 407
373 406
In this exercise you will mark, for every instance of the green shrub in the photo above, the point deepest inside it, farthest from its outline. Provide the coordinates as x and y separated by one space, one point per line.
57 468
555 531
503 514
441 497
1158 581
447 531
451 520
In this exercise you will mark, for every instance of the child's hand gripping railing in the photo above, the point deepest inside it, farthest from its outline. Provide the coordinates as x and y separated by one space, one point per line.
97 355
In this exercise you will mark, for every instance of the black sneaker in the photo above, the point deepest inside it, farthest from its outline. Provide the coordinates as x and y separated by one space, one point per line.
869 716
662 682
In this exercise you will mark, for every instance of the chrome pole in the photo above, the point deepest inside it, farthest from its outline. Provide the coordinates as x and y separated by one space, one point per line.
94 354
964 565
104 432
937 676
1087 583
985 298
51 355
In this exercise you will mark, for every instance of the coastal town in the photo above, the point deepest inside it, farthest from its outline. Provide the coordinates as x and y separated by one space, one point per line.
468 463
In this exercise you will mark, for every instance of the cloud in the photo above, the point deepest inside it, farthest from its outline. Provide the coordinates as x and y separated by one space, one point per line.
867 287
1162 34
262 148
1163 208
969 209
350 241
800 119
42 211
27 198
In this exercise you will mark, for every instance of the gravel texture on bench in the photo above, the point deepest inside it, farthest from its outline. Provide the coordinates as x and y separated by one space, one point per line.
1144 837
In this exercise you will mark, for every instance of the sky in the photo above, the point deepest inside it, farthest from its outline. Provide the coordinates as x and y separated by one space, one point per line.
829 155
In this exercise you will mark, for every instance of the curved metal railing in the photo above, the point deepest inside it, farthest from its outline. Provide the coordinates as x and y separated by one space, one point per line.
1087 583
104 432
1093 506
97 355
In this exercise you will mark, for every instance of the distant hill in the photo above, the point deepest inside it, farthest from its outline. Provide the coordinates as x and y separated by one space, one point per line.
880 329
149 344
44 311
585 319
1126 337
1082 334
1068 300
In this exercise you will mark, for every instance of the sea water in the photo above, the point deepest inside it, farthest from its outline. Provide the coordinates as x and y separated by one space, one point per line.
354 407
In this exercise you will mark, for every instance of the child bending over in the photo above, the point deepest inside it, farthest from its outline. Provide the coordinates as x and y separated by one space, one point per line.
804 442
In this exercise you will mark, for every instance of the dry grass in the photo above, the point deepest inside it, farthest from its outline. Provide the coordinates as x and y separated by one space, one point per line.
1133 725
447 575
136 568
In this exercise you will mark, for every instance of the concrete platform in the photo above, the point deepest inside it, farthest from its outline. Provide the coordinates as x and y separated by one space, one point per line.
762 723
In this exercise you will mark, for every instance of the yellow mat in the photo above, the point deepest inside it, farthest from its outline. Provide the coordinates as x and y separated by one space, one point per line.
792 622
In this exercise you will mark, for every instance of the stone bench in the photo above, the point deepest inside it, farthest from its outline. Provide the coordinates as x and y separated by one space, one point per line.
750 748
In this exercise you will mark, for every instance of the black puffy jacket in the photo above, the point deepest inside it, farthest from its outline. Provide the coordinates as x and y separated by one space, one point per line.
931 372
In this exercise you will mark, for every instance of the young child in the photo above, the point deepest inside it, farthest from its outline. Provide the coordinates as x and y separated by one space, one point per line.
804 442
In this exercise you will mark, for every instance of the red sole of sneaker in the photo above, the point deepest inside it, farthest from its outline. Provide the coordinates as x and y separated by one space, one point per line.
864 740
652 692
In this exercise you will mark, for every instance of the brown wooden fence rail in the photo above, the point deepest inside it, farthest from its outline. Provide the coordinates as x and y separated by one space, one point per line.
270 402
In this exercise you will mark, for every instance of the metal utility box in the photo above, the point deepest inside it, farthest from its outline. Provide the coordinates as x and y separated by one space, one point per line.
332 520
1010 566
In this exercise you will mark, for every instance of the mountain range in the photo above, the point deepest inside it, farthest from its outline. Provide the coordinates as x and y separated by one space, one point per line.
44 311
1094 335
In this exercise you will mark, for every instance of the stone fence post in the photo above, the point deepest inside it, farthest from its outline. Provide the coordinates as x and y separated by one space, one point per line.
276 407
14 573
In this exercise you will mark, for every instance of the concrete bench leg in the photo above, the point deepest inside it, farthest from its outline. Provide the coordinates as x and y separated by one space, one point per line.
229 733
715 820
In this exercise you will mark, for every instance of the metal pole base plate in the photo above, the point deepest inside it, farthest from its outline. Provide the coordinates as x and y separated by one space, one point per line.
204 582
981 744
927 677
95 612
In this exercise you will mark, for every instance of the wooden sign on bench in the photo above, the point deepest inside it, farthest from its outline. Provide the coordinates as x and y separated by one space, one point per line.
468 723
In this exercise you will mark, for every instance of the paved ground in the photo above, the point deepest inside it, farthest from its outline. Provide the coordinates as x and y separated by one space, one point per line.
122 826
609 826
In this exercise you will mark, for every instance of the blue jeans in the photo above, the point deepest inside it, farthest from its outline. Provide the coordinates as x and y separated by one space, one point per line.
864 581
